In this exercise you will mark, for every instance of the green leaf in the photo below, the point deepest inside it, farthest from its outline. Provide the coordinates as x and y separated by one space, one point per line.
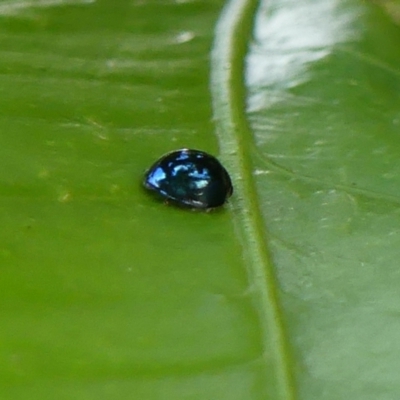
289 292
323 107
107 293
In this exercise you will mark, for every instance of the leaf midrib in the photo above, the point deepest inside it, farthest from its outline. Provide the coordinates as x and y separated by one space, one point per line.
232 36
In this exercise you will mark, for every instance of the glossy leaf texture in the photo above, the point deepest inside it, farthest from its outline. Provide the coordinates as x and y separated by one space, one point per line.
107 293
323 101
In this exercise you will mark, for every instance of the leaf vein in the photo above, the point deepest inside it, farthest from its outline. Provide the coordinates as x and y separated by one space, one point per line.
233 32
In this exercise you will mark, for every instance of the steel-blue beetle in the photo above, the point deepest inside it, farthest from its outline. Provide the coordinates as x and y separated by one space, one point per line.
190 178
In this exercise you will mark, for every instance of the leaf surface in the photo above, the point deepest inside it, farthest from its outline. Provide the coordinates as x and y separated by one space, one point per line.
289 292
107 293
323 104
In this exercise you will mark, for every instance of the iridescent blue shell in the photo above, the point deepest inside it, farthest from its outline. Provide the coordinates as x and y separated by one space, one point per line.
190 178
